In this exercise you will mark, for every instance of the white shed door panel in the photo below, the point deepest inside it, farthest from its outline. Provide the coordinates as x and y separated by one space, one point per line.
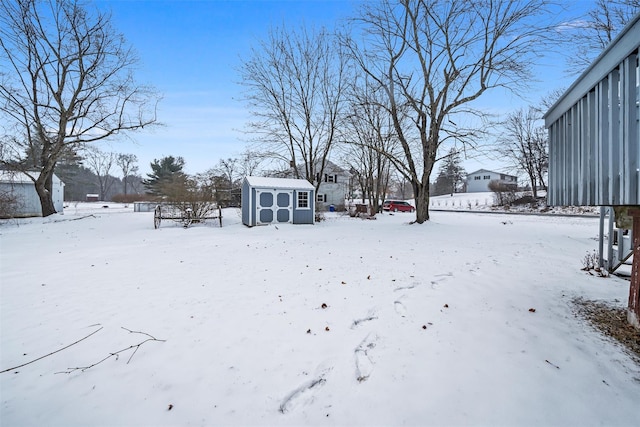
274 206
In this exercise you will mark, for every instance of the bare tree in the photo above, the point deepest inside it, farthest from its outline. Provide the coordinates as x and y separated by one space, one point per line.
66 79
100 163
127 164
249 162
434 58
524 144
368 137
592 34
295 84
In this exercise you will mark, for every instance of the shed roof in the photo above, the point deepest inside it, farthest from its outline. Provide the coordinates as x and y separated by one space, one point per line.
289 183
15 177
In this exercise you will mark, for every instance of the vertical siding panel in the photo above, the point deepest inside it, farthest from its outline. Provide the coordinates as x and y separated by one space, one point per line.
566 165
590 172
554 170
630 129
602 164
614 136
568 189
578 131
583 144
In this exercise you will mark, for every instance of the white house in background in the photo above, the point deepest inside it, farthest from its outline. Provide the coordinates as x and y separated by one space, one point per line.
334 186
479 180
20 186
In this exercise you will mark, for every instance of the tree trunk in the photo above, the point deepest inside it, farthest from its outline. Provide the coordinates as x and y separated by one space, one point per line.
422 202
534 188
633 312
44 185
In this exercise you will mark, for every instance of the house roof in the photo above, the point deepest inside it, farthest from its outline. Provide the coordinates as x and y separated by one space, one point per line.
15 177
488 171
260 181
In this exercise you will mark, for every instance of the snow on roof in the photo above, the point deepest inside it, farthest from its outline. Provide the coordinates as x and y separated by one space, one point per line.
15 177
260 181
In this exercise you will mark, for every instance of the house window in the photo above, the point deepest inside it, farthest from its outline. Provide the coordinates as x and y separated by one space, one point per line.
477 178
303 200
330 178
487 177
321 198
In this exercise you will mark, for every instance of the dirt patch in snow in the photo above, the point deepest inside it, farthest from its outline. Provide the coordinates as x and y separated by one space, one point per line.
612 322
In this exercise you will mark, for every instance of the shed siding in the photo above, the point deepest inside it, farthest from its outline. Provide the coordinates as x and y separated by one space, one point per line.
245 204
594 130
277 187
25 191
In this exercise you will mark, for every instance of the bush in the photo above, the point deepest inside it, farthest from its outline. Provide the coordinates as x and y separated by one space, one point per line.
9 204
504 194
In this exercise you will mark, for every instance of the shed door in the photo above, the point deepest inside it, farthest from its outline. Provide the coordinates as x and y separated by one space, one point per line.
274 206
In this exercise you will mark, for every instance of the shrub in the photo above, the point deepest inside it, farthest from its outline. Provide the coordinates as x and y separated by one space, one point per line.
130 198
9 204
504 194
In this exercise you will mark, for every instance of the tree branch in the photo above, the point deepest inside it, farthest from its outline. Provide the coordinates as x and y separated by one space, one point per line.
116 353
53 352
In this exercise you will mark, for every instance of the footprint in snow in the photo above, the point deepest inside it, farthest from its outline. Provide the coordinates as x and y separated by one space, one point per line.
364 365
400 308
304 394
370 316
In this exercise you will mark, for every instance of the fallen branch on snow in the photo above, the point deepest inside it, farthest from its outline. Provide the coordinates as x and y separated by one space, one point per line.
116 354
53 352
75 219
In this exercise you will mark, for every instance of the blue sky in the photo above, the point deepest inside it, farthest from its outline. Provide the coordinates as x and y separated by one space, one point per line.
190 51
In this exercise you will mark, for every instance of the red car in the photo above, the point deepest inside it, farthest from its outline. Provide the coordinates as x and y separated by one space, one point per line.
397 206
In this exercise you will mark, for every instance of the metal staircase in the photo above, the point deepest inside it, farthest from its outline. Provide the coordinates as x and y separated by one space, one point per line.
614 243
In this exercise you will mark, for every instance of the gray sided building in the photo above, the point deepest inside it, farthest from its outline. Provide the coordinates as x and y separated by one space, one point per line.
276 201
594 142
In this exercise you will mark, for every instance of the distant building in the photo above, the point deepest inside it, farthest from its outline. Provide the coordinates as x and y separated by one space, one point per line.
479 180
333 188
20 187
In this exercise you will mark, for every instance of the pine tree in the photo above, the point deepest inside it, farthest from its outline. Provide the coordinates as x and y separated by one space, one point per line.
164 171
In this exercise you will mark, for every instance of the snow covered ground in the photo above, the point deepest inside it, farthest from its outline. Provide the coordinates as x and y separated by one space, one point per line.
485 201
465 320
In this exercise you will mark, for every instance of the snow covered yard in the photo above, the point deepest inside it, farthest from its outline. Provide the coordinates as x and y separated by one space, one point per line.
466 320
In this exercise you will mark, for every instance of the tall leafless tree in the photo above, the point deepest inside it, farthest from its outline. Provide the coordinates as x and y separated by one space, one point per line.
590 35
524 144
100 163
295 83
369 135
66 79
434 58
127 164
249 162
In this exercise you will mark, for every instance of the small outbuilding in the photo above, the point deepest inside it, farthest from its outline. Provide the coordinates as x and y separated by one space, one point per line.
20 190
277 200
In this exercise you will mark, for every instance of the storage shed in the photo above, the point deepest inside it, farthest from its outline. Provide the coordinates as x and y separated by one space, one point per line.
277 200
22 189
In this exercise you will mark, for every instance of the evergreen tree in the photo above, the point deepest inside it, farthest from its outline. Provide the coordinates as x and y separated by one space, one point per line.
164 171
451 174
